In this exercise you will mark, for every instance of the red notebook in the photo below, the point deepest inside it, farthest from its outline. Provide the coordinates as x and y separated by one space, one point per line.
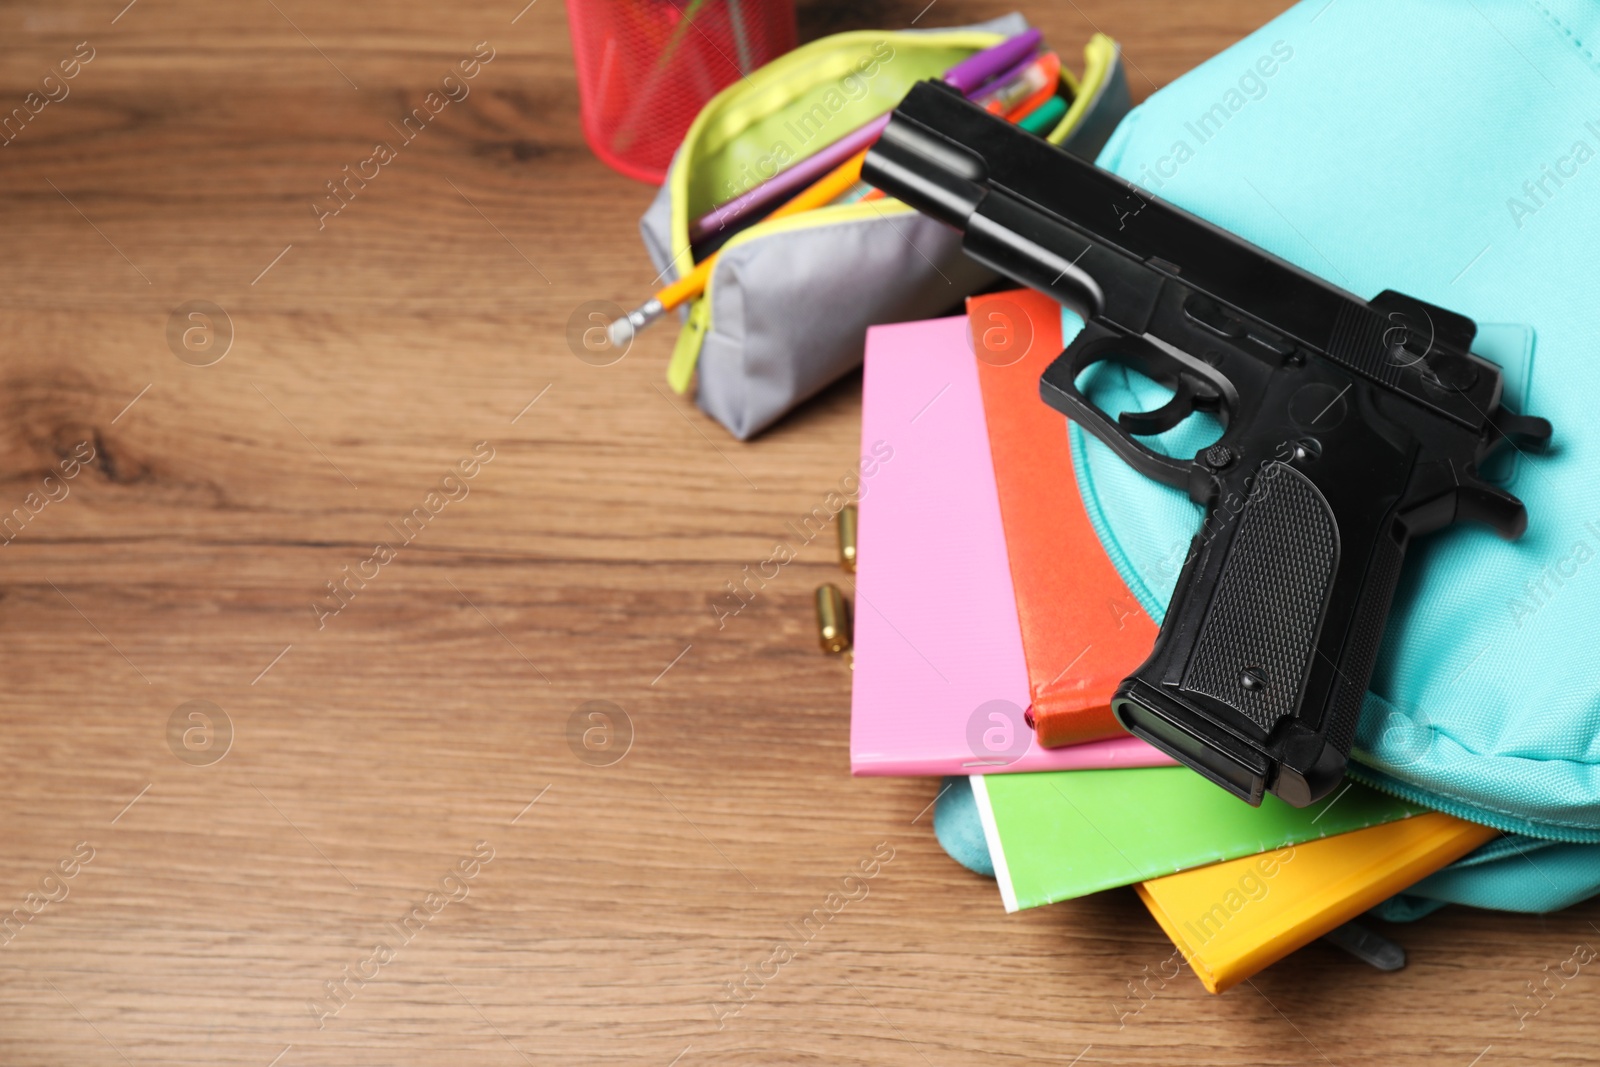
1082 631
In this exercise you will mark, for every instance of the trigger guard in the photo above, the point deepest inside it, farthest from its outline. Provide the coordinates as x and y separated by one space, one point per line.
1058 388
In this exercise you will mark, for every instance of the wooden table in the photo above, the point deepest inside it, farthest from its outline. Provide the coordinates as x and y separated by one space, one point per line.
373 749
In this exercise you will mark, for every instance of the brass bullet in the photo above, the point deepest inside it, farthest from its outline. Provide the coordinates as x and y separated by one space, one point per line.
847 538
833 619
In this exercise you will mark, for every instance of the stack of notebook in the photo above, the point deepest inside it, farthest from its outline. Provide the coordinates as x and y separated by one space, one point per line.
991 630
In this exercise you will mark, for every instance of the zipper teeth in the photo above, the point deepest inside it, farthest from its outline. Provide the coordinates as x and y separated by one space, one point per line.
1529 828
830 213
806 220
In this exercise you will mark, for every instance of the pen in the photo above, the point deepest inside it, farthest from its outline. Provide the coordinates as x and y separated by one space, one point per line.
1042 119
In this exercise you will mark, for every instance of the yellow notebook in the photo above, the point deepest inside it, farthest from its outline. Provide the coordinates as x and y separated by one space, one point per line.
1232 919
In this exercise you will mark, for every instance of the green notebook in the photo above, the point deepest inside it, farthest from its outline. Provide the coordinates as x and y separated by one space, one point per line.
1056 835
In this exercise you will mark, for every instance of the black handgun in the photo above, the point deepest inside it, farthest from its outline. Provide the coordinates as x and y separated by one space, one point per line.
1350 426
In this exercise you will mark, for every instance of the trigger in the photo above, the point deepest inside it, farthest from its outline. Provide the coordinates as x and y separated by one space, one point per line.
1523 431
1189 395
1489 504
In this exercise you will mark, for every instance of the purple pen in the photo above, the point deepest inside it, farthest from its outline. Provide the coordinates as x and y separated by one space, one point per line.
970 76
972 73
796 177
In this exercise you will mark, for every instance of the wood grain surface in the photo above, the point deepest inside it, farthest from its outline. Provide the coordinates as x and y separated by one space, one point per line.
378 758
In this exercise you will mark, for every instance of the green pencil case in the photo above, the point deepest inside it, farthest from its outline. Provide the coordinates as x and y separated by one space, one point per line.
787 306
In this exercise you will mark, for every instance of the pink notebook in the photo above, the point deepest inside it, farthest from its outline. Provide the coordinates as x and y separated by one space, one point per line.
940 683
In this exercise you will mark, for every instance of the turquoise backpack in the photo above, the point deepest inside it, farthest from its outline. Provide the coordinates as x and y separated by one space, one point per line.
1450 151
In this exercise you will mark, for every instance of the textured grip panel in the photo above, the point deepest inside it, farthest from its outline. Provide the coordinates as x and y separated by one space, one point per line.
1260 629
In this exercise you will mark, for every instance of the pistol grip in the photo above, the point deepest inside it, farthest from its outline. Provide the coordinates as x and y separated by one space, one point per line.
1259 672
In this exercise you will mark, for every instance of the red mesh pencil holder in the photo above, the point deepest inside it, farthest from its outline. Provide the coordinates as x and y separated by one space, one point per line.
646 67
